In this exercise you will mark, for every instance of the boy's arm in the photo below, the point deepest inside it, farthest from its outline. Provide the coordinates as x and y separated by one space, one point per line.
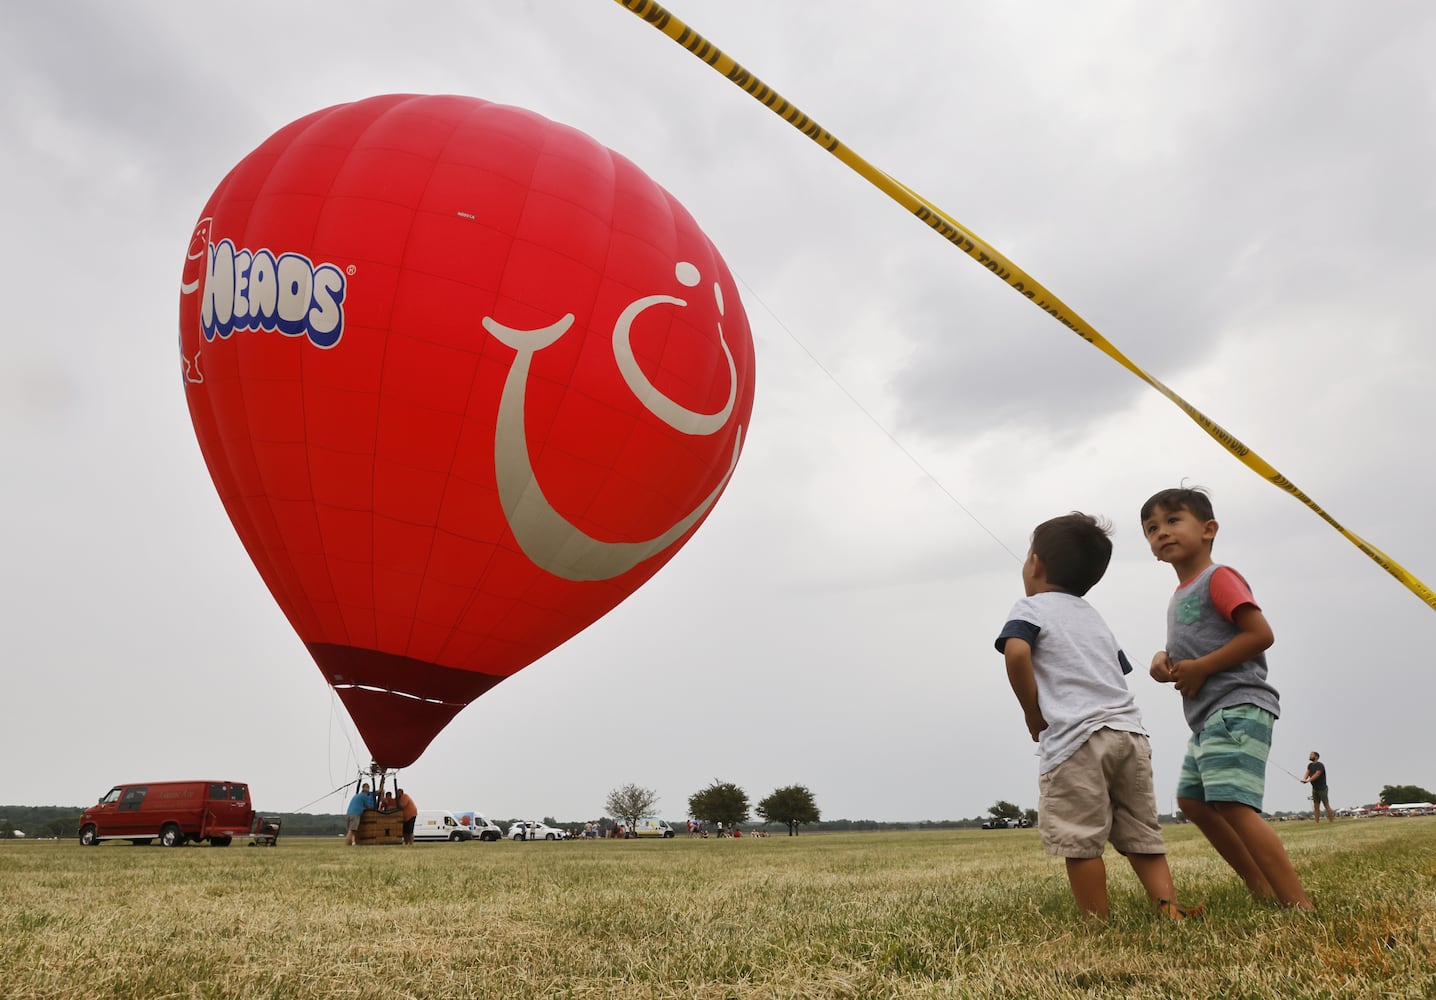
1018 654
1255 636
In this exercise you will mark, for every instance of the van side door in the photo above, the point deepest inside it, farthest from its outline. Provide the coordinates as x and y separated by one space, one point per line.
129 818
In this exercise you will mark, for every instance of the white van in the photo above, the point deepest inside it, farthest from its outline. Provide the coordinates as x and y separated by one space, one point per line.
439 824
479 826
651 826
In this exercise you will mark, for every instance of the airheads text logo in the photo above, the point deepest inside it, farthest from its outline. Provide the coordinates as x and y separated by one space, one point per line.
255 290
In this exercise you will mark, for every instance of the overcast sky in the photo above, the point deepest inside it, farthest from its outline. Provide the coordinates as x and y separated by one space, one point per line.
1239 197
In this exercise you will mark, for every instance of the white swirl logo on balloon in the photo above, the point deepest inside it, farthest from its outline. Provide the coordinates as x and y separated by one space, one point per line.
549 540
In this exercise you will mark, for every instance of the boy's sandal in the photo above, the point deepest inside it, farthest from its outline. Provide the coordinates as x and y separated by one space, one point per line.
1172 910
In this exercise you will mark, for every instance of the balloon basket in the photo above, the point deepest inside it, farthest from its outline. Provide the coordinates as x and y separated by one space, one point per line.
380 828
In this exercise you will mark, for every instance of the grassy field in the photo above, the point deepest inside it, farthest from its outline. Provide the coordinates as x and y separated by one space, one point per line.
933 914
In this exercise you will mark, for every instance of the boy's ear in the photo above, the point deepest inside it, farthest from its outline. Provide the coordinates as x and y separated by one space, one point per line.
1209 530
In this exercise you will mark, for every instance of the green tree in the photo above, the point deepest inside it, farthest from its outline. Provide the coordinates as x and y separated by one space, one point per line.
1003 809
628 802
721 802
792 806
1391 794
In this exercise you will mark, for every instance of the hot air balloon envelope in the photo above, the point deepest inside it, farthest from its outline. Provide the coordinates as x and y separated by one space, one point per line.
464 378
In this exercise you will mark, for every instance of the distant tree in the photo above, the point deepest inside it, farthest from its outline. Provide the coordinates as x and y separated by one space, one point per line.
1003 809
721 802
61 827
628 802
792 806
1391 794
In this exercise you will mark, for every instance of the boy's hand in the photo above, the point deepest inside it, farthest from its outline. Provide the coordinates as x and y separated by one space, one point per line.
1162 668
1035 723
1189 676
1253 637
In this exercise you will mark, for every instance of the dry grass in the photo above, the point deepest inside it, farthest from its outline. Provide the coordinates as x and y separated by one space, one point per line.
934 914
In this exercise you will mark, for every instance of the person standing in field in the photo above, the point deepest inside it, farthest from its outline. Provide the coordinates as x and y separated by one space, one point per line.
361 800
1067 671
410 813
1217 639
1316 777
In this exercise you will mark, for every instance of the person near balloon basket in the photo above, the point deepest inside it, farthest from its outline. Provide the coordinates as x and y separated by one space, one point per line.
1067 672
410 811
361 800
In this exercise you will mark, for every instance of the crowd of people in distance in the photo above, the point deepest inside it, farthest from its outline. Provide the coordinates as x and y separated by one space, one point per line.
699 828
608 830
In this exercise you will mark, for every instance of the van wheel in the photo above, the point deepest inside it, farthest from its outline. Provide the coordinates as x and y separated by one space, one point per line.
220 841
170 836
89 836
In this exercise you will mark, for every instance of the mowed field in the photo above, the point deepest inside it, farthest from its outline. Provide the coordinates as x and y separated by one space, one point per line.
930 914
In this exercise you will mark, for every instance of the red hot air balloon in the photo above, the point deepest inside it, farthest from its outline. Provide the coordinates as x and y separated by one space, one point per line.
464 378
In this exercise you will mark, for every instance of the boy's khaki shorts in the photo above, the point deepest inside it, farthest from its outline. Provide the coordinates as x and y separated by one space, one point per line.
1102 792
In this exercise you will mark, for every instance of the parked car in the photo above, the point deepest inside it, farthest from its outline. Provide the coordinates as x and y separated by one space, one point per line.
535 831
439 824
649 826
1005 823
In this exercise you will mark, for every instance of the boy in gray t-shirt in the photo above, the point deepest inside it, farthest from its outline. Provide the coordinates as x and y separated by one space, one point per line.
1217 638
1066 669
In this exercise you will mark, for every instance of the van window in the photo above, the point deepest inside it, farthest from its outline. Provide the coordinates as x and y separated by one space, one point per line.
218 792
238 793
112 795
133 797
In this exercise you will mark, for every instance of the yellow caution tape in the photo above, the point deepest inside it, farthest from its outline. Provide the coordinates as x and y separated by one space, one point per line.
1010 274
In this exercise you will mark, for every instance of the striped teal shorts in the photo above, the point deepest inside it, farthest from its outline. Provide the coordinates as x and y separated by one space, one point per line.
1226 761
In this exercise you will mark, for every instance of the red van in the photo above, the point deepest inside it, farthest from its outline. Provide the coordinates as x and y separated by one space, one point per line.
176 812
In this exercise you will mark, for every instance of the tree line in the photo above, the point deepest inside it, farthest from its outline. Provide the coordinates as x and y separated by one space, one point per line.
790 807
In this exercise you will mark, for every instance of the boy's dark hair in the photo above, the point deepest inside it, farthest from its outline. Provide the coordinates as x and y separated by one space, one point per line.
1192 498
1075 550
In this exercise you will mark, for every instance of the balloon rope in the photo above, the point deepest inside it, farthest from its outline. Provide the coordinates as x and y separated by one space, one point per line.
1288 772
324 796
1008 272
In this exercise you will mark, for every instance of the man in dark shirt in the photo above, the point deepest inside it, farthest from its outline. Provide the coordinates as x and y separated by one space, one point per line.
1316 777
